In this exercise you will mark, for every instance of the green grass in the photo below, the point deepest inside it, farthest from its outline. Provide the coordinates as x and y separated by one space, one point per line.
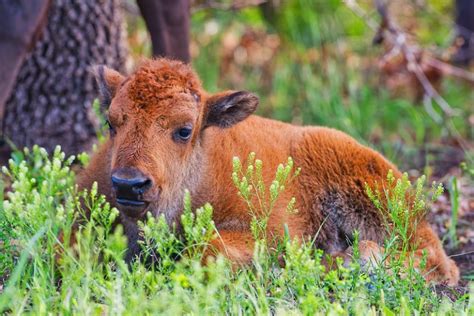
93 278
454 197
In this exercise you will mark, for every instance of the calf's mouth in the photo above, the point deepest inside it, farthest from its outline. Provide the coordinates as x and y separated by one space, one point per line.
130 187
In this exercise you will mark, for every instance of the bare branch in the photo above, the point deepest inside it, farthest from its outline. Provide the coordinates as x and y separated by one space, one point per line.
389 32
234 5
450 69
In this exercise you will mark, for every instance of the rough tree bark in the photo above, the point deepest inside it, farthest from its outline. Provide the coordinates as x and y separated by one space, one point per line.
51 101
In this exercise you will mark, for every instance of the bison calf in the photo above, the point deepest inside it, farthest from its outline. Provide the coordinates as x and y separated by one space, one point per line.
167 134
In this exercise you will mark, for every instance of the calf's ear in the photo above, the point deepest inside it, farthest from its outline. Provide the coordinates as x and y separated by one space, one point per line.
108 81
228 108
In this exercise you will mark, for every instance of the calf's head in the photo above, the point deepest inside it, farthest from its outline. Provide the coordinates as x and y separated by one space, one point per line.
156 118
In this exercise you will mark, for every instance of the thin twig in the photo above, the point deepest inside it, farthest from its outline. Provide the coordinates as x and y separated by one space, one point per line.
462 254
450 69
399 39
430 110
354 6
388 31
400 45
235 5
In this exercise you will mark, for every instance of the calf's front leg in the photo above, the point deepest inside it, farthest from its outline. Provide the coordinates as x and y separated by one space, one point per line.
235 245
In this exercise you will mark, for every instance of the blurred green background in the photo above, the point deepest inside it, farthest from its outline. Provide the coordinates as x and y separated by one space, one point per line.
313 62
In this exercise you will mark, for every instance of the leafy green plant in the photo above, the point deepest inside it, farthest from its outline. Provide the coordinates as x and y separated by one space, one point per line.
469 170
261 200
163 245
454 197
403 206
102 126
91 276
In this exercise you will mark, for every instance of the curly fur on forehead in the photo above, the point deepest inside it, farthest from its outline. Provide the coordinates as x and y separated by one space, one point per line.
160 79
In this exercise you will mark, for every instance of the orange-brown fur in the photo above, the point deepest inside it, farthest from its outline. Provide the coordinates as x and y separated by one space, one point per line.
162 95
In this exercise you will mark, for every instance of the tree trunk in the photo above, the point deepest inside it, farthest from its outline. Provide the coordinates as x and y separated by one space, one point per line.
168 24
21 23
465 31
51 101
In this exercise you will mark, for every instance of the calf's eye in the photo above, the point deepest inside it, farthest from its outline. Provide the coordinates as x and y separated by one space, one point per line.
183 134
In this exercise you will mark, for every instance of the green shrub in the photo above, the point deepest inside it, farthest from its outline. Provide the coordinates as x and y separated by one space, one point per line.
93 278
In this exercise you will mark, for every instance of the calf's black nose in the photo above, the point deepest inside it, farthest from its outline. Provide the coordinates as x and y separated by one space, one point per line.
129 186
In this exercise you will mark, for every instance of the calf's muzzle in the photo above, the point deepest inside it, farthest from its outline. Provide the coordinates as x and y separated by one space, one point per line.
129 186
